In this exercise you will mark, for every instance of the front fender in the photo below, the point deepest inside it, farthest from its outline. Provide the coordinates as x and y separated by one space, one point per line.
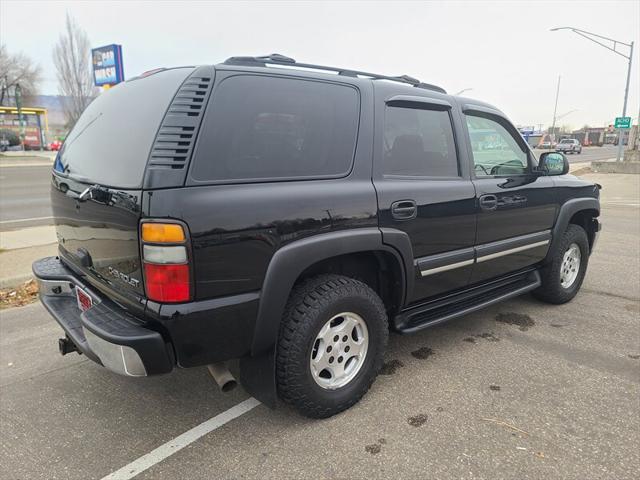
568 210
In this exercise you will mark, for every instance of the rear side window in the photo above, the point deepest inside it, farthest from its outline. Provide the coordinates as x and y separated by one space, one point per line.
111 141
419 143
266 128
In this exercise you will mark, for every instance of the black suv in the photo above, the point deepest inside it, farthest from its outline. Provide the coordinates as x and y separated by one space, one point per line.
288 215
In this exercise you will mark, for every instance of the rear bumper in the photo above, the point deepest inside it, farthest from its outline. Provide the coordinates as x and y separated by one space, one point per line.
105 333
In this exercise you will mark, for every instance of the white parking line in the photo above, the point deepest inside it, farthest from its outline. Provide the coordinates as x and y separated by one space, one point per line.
181 441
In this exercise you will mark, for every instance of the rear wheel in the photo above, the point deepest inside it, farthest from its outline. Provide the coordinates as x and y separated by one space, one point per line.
562 278
331 344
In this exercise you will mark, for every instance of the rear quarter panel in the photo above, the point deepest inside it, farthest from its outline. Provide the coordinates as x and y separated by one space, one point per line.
236 229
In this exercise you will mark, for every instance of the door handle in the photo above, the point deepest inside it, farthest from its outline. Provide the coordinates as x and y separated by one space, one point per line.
404 210
488 202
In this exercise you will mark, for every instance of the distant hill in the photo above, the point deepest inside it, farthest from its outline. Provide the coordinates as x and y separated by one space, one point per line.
53 104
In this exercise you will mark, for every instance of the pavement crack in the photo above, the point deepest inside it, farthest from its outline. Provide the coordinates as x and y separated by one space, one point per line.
609 294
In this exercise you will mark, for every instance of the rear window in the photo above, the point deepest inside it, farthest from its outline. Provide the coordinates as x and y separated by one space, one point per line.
268 128
566 141
111 141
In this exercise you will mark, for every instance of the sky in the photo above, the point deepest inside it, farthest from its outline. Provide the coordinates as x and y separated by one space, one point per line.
502 50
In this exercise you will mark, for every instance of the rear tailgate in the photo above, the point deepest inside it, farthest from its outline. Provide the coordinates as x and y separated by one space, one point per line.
96 193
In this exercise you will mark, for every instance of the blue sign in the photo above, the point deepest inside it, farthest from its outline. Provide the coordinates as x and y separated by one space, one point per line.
107 65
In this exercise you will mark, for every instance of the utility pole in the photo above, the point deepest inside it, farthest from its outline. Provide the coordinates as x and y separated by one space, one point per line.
594 37
18 94
555 109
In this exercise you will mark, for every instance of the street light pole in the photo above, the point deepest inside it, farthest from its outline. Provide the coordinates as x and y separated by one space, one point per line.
555 110
624 106
593 36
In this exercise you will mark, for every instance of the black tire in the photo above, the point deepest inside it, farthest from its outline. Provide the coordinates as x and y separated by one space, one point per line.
551 290
311 304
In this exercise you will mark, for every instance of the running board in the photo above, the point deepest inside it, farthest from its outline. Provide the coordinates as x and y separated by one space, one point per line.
467 301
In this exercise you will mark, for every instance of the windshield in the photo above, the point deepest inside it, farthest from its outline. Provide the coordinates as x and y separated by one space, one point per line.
566 141
111 141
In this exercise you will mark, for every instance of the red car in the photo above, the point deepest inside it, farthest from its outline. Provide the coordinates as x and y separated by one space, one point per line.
55 145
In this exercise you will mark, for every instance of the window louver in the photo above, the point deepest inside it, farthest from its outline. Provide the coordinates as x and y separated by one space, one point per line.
174 142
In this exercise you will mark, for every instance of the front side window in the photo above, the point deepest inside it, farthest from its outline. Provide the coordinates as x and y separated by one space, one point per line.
419 143
495 151
267 128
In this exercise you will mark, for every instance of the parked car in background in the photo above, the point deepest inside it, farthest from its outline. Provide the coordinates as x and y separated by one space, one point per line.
546 145
55 145
569 145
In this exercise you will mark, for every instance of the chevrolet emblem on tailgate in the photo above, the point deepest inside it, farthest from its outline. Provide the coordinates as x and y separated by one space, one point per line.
125 278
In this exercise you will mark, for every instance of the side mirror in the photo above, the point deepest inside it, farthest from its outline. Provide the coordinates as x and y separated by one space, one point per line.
553 163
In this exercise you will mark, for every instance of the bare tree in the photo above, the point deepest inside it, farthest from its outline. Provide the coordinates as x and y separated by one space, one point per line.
71 57
17 69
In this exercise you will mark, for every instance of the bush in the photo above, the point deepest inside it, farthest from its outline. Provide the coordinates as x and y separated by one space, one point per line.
10 135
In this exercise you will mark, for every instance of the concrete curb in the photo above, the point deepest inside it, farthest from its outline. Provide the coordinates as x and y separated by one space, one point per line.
12 282
625 167
28 237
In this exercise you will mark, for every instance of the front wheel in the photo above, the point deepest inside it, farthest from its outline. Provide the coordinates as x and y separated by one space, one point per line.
563 276
331 344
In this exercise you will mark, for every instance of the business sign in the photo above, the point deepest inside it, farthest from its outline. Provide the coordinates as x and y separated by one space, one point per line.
623 122
107 65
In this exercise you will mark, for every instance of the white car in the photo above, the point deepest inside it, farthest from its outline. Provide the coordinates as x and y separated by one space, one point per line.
569 145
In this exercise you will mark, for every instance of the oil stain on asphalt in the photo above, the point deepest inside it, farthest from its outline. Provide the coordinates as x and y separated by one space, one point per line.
373 449
422 353
521 320
390 367
489 336
417 420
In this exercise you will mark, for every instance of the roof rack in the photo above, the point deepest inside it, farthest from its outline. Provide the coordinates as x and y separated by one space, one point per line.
277 59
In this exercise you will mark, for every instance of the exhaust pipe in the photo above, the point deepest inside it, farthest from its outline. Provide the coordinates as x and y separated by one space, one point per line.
222 376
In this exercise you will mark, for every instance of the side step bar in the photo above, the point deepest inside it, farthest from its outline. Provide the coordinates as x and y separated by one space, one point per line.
467 301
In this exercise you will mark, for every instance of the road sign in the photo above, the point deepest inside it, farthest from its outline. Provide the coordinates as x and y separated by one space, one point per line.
623 122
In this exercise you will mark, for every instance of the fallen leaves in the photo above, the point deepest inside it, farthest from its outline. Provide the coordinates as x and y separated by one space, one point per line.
17 296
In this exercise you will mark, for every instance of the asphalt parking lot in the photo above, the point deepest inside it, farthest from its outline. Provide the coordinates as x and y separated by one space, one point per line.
521 390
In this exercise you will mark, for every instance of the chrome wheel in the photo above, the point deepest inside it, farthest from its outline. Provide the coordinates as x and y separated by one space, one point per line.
570 266
339 350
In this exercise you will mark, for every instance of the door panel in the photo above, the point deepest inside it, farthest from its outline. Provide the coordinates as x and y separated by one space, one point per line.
524 205
422 187
515 208
445 221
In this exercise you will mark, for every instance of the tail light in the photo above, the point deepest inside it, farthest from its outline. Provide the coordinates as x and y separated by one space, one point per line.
167 271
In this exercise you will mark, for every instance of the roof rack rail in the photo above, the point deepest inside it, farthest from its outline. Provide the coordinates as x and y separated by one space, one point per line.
277 59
